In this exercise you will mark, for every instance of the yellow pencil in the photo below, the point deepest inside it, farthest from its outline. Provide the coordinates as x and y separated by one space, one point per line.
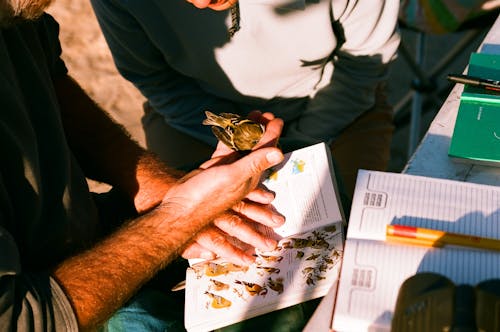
436 238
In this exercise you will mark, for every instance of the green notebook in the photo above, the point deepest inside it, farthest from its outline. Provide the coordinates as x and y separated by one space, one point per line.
476 136
485 66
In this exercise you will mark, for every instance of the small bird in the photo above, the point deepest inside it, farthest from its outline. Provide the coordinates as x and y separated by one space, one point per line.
239 133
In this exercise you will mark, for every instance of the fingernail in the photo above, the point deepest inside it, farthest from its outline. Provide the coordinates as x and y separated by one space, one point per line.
269 196
274 157
278 219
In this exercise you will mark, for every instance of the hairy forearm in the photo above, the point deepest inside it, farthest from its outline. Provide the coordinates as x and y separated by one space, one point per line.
101 280
153 180
106 152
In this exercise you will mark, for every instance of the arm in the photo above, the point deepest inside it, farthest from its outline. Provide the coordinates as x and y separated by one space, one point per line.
120 162
25 296
100 280
371 42
233 232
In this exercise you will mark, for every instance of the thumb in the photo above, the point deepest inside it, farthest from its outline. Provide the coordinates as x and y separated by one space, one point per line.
259 160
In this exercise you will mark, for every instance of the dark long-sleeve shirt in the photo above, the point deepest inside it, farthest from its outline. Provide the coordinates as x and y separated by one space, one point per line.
46 211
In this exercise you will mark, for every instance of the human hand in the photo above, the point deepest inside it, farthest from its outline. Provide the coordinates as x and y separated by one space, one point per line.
205 195
223 153
269 137
221 183
233 235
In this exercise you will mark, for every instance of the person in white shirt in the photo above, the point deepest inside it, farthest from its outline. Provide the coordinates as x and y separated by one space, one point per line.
321 65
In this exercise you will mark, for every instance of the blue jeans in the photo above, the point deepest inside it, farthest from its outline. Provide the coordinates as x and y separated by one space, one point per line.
155 310
150 310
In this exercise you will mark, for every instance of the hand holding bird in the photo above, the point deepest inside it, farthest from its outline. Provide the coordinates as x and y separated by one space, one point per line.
239 133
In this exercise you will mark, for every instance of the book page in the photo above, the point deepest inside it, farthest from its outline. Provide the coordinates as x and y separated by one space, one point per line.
383 198
302 268
304 186
373 270
304 265
305 193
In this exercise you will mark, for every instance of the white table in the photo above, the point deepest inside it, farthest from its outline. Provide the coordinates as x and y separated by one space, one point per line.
430 159
431 156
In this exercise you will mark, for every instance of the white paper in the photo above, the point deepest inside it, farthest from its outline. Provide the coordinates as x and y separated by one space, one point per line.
374 270
303 267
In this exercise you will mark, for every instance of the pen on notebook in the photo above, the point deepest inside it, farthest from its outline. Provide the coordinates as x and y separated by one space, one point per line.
435 238
485 83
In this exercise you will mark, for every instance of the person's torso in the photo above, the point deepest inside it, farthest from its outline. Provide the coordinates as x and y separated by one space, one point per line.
44 199
277 53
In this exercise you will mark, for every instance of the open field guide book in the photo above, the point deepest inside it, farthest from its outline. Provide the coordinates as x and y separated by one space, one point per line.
373 269
303 266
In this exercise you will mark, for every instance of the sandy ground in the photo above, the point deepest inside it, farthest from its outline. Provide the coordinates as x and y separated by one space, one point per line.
90 63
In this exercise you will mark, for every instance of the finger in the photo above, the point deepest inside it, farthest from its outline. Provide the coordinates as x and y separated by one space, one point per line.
263 214
260 117
273 128
218 242
249 169
261 195
252 165
245 231
222 150
196 250
268 116
271 135
219 159
256 116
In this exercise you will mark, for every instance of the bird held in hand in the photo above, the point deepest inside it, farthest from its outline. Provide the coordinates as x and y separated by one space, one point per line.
239 133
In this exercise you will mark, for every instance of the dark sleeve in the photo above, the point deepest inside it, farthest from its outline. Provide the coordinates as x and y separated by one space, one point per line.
30 302
48 30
